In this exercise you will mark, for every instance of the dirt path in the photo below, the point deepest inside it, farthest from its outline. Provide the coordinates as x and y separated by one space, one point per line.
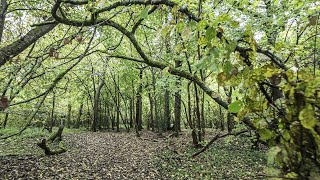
92 156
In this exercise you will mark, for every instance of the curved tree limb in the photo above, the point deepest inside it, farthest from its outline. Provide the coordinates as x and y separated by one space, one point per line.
218 136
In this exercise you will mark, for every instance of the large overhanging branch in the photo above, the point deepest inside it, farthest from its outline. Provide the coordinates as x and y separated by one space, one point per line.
15 48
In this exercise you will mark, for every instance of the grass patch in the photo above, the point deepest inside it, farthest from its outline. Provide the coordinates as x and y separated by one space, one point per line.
232 158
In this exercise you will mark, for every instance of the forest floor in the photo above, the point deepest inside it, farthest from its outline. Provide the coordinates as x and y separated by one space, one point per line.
122 155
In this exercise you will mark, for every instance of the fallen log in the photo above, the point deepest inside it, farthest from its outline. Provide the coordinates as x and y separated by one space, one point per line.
57 136
47 150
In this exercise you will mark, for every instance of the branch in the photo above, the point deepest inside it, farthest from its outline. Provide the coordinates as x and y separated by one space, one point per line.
15 48
218 136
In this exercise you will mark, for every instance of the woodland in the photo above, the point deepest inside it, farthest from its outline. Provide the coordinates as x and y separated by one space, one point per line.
159 89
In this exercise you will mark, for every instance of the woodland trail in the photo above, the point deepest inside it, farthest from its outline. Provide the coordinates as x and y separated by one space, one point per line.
101 155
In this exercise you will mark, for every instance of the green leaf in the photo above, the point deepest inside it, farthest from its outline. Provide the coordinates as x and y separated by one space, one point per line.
306 117
210 34
227 67
144 13
234 24
165 30
265 134
180 26
272 153
201 25
235 107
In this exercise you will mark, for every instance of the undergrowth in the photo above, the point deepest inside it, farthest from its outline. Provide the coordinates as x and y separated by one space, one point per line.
232 158
25 144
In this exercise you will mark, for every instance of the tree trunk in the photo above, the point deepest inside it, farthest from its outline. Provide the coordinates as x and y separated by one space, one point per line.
221 116
132 106
150 123
229 115
151 117
96 106
167 113
3 10
195 140
52 112
139 103
69 116
107 115
198 114
117 102
177 103
5 120
79 115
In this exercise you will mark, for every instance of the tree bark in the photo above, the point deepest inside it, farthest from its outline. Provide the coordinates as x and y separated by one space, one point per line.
167 109
47 150
58 135
5 120
3 10
69 115
96 106
151 116
139 103
229 116
132 106
52 112
78 123
15 48
177 103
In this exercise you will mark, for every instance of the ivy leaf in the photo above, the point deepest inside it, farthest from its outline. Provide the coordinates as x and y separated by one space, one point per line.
272 153
165 30
227 67
210 34
180 26
165 71
234 24
235 107
265 134
306 117
144 13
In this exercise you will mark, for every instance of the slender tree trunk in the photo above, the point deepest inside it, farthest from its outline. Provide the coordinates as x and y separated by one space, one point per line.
5 120
198 114
139 103
221 116
3 10
52 112
229 116
117 94
132 106
69 115
156 112
167 113
151 117
194 136
107 114
78 123
96 106
131 113
177 103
